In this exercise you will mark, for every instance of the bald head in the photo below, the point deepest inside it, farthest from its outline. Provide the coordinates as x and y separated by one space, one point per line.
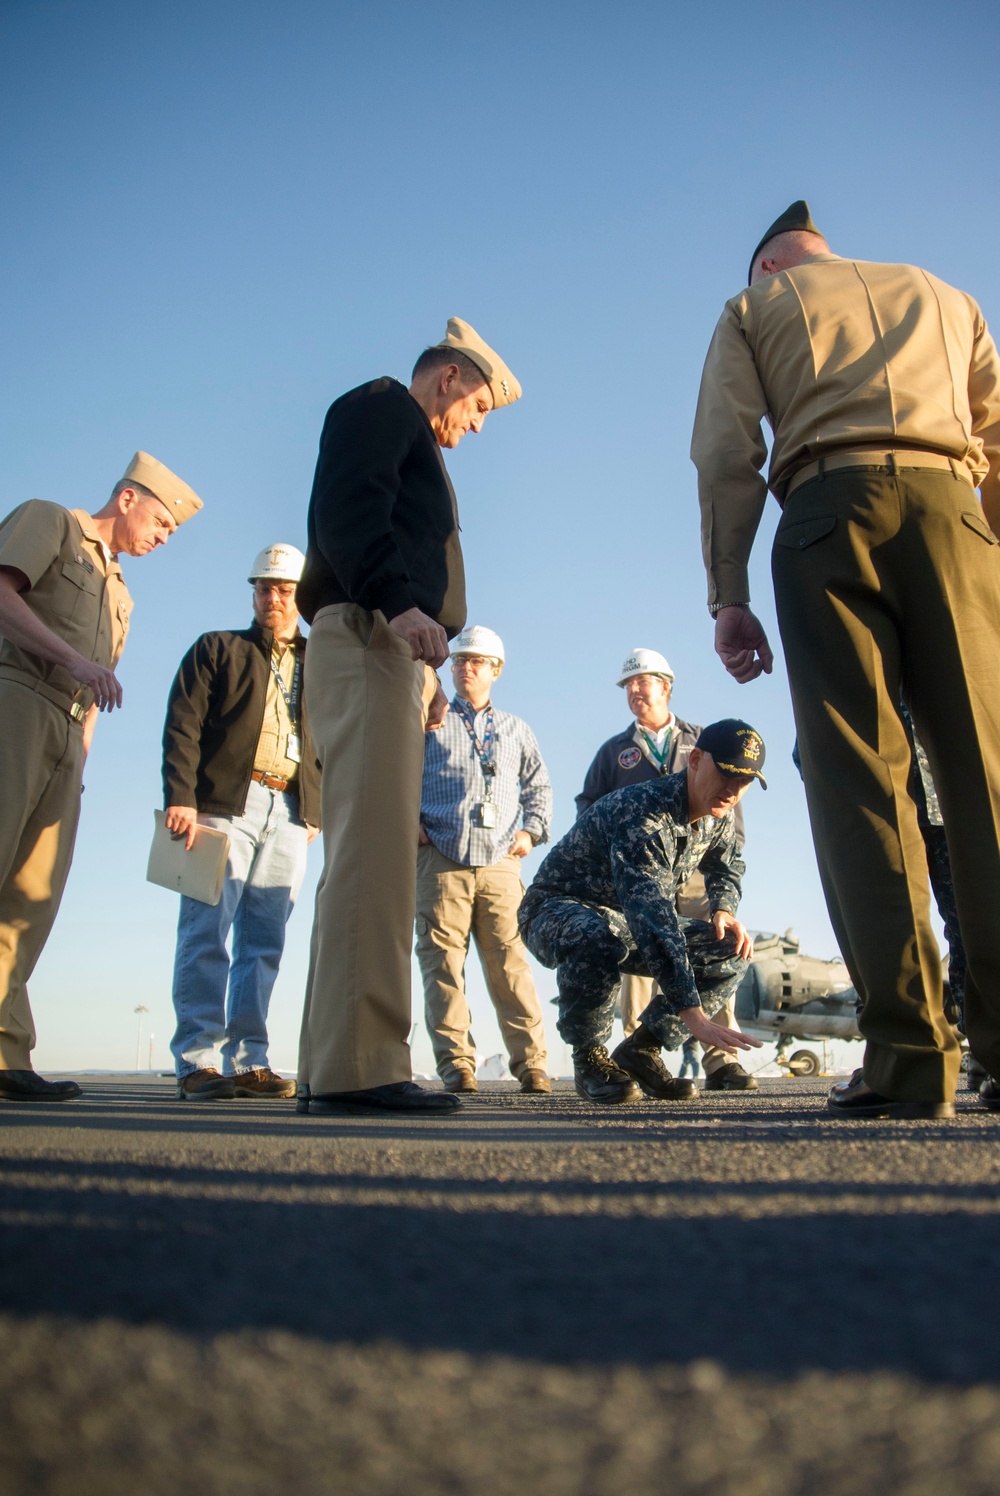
785 251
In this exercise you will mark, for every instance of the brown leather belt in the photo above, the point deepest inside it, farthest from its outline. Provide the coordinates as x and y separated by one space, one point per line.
272 782
882 459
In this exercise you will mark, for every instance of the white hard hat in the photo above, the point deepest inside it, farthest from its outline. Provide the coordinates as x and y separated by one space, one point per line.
277 563
478 641
644 662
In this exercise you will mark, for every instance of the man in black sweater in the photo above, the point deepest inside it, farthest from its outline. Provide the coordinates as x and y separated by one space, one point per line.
384 590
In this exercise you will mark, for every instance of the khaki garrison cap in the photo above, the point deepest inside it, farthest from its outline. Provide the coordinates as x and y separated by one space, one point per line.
796 217
465 339
172 492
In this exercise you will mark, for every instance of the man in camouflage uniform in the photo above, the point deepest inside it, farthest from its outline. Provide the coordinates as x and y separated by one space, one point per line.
604 903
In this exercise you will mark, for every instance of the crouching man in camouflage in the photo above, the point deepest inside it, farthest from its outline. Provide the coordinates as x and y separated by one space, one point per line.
604 903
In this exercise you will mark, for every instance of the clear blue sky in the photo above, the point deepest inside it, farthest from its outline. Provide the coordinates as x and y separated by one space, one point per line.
220 216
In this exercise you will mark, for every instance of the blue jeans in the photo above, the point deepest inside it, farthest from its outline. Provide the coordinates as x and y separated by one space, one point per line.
267 860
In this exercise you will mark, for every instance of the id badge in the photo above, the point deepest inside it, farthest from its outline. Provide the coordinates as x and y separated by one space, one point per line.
487 815
293 749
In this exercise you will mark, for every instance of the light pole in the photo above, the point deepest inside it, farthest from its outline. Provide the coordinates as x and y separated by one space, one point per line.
138 1038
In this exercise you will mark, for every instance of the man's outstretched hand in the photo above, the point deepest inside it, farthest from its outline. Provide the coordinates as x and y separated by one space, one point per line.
741 644
715 1035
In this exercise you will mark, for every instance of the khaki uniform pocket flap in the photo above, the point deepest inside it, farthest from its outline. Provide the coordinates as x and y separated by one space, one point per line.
797 534
978 523
80 577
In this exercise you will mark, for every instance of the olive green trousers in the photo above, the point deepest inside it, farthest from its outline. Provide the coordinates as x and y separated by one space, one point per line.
886 582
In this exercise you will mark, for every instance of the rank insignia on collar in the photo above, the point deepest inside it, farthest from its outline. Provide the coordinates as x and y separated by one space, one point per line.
629 757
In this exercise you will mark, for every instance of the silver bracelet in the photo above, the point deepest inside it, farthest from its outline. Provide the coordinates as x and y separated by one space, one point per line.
714 608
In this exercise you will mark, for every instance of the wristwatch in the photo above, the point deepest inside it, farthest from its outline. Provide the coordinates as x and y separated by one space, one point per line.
714 608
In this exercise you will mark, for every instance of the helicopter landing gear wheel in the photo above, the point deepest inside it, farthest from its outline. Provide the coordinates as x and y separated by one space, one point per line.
803 1062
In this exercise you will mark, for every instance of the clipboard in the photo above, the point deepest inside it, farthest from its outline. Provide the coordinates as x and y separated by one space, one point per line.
197 874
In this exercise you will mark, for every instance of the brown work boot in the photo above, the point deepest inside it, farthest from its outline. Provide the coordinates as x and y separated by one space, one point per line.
461 1080
205 1085
262 1082
535 1082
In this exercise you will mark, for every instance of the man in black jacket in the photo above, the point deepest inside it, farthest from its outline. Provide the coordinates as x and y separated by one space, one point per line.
238 756
384 590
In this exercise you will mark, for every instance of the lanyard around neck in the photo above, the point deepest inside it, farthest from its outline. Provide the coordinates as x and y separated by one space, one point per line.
291 701
480 746
660 758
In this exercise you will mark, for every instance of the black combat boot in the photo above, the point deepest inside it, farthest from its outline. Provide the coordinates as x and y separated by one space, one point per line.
639 1056
731 1077
599 1079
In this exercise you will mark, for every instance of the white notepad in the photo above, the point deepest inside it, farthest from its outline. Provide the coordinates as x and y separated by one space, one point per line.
197 873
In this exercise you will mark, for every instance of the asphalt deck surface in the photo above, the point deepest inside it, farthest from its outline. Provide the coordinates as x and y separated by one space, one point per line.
730 1295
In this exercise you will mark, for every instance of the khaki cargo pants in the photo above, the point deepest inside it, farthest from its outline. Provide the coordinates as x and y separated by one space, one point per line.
41 768
885 582
456 903
637 992
367 702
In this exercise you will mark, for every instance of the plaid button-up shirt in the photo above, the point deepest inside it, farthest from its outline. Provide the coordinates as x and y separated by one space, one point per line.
454 785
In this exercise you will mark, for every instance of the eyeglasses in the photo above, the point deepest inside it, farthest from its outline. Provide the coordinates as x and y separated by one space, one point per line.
283 590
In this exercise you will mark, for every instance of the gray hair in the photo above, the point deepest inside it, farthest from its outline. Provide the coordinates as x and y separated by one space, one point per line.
439 358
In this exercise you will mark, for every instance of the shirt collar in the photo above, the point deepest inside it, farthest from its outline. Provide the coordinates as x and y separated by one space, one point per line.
86 524
467 709
654 732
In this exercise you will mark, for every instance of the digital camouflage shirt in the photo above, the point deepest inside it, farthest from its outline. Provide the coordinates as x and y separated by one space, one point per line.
631 853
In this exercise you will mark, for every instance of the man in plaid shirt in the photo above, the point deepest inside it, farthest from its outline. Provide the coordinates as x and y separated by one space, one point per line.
486 803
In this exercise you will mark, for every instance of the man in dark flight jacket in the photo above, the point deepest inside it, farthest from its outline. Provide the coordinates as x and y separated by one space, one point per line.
384 590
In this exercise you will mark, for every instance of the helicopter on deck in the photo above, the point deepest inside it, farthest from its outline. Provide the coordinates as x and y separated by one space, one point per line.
785 995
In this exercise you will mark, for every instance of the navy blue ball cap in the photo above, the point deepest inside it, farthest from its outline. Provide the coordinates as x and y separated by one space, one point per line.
736 747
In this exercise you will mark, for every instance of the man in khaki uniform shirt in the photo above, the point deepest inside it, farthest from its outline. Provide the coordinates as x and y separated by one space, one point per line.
882 386
64 617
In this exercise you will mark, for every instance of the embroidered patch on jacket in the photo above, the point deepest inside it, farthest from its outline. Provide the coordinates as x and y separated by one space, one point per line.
629 757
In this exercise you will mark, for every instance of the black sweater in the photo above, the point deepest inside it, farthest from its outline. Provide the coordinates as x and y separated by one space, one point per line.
383 521
214 715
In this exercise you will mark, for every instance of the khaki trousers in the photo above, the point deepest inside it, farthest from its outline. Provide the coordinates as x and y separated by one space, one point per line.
41 768
885 582
637 992
367 703
455 903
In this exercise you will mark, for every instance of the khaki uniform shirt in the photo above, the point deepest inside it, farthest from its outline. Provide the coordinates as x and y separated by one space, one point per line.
76 589
271 757
837 355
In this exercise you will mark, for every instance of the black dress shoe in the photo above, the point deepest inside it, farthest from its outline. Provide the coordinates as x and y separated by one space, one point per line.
25 1085
859 1100
989 1093
640 1057
598 1078
840 1086
403 1096
730 1078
